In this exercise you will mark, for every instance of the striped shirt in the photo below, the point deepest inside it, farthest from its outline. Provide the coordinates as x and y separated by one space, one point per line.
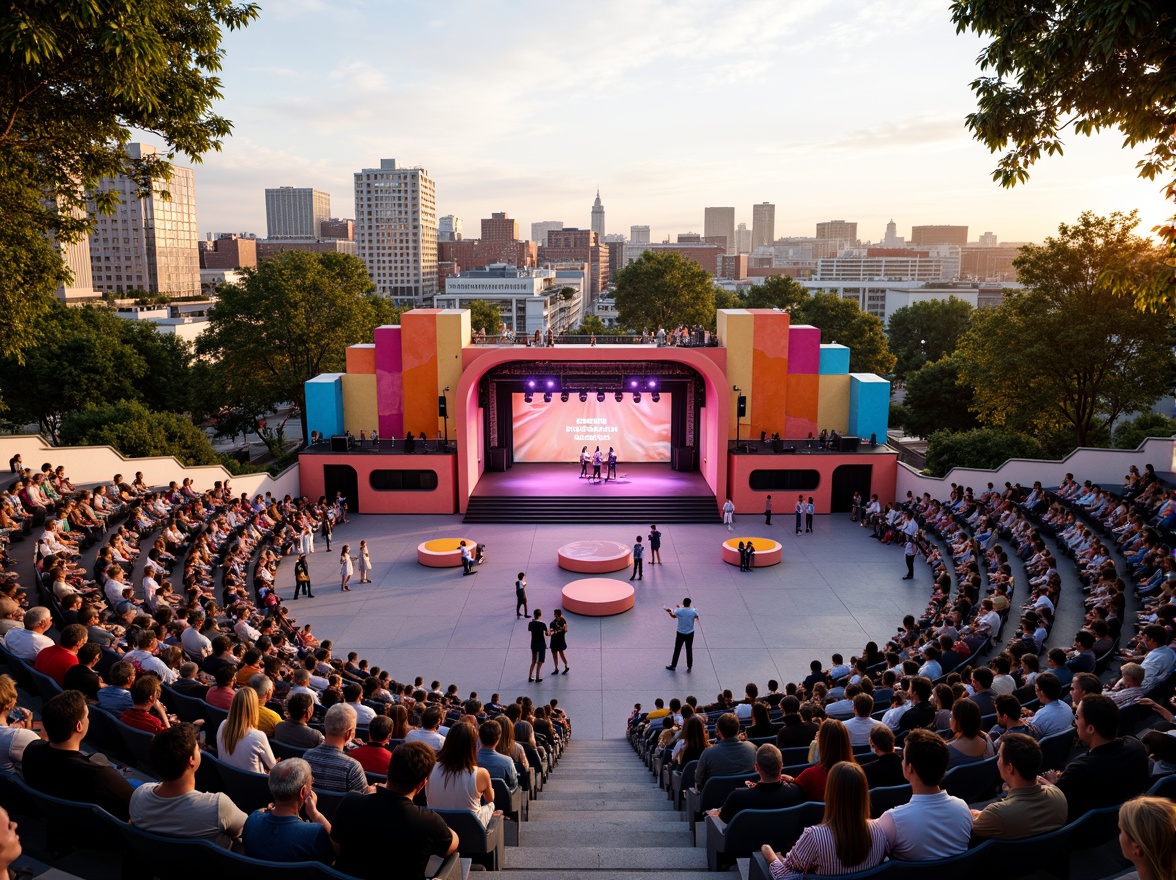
816 853
335 771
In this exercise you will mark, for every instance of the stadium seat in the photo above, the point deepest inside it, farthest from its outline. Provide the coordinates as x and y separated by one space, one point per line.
484 846
751 829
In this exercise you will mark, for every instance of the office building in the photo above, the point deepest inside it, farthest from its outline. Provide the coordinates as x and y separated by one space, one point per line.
639 235
396 231
719 223
880 264
539 230
449 228
703 253
579 246
498 244
598 217
839 230
336 228
228 252
989 263
922 236
148 243
268 249
763 225
527 299
988 239
743 239
499 227
76 256
295 212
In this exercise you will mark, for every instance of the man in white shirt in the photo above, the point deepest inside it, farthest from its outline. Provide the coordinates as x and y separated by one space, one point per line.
192 640
429 731
1160 659
933 825
353 695
860 725
27 643
150 587
301 679
1054 716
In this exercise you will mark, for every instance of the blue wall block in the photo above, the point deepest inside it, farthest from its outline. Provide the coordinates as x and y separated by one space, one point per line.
834 360
324 404
869 406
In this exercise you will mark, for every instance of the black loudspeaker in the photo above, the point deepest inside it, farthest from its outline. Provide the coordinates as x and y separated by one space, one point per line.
742 406
483 397
339 443
442 408
850 444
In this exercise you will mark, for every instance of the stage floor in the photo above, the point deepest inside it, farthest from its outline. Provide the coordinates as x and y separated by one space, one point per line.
563 480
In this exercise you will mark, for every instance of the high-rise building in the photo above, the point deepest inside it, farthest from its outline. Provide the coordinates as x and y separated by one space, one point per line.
988 239
336 228
396 231
720 223
891 239
449 228
763 225
148 243
598 216
921 236
743 239
498 245
539 230
295 212
639 235
839 230
499 227
579 246
228 252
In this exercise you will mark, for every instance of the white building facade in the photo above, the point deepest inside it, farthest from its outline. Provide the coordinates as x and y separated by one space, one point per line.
396 231
527 299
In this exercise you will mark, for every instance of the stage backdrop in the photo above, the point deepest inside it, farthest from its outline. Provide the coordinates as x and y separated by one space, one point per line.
555 431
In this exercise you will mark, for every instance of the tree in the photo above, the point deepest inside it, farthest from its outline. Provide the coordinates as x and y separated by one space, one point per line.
1090 64
841 321
1129 435
590 326
136 431
77 79
936 401
924 332
1072 350
983 448
774 292
287 321
663 289
485 316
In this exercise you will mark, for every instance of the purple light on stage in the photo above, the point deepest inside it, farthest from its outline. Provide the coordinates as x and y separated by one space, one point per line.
530 383
550 383
633 383
652 383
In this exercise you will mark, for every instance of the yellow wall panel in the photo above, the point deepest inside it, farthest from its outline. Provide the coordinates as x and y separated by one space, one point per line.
360 412
833 403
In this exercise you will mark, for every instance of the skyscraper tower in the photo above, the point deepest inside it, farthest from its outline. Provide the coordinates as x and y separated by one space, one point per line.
720 223
598 216
295 212
763 225
396 231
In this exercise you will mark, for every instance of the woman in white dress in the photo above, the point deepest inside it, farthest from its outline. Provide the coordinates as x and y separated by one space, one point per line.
346 569
365 564
457 782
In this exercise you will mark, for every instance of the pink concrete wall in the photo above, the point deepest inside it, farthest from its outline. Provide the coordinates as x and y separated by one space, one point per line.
443 499
747 502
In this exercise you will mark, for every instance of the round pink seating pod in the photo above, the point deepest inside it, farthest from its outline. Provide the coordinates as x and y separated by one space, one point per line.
443 552
595 557
767 551
598 597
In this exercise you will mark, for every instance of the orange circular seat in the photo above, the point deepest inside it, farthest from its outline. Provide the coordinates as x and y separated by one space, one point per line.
443 552
767 551
598 597
595 557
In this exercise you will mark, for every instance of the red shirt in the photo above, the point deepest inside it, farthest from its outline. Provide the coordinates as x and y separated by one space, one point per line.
141 719
55 661
812 782
373 759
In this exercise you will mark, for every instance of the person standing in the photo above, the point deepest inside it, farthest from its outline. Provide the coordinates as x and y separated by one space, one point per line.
768 511
539 635
686 617
467 559
856 507
742 556
596 459
654 546
327 531
638 559
750 555
365 564
521 596
612 465
799 513
346 569
729 515
809 510
302 577
559 642
584 459
909 550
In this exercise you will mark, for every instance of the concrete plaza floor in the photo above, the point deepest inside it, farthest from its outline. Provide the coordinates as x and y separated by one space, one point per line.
835 590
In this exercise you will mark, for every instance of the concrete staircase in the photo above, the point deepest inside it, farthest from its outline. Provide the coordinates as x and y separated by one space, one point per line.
603 817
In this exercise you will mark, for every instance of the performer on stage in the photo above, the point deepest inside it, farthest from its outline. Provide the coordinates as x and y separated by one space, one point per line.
596 459
584 459
612 465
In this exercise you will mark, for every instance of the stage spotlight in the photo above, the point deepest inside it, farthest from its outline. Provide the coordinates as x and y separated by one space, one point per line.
633 383
528 397
636 396
600 397
550 383
564 397
531 383
651 384
584 397
655 397
619 396
547 397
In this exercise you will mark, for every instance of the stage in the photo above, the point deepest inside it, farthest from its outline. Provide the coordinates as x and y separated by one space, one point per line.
550 479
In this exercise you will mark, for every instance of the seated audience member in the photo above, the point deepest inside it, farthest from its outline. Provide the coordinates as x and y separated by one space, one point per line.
367 829
933 825
374 755
1113 770
860 725
1148 837
982 693
56 660
17 734
27 642
1008 718
115 698
1157 664
59 768
498 766
969 743
797 730
1053 716
832 747
1129 688
728 756
333 769
887 769
1083 685
174 807
278 833
187 684
238 741
430 730
221 694
768 793
1028 808
295 731
457 782
147 713
267 718
922 711
81 676
847 840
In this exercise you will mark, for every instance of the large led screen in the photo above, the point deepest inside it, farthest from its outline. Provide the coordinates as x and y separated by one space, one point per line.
555 431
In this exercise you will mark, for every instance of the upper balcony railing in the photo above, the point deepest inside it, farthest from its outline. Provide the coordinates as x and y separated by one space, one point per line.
501 340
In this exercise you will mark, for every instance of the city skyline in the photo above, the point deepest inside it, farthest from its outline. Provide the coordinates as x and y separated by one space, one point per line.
878 134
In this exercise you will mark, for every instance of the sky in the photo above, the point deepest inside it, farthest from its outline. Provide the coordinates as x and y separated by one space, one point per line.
847 110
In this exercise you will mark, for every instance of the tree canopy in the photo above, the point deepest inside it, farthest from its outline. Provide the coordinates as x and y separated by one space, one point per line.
77 79
1072 350
288 320
484 316
841 321
136 431
924 332
663 289
982 448
935 400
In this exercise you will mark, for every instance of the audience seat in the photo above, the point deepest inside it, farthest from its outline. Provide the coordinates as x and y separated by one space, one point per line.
1055 749
885 797
484 846
972 783
681 782
751 829
511 804
712 796
248 790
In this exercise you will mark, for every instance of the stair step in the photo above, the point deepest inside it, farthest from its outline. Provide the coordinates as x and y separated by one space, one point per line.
653 874
557 819
581 509
598 858
591 836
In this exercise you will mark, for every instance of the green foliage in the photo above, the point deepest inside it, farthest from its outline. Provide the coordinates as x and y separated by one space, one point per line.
76 79
287 321
925 332
841 321
936 401
1130 434
727 299
774 292
1073 350
485 316
983 448
898 415
590 326
663 289
136 431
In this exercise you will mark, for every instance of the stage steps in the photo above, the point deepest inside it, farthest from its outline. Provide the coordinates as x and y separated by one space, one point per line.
586 509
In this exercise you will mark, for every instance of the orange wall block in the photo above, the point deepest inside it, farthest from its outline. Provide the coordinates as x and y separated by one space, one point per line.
361 360
768 402
803 404
419 346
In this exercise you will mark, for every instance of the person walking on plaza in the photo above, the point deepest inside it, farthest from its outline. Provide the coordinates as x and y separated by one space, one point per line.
686 617
768 511
909 550
654 546
729 515
346 569
365 564
799 513
302 577
521 596
327 531
539 636
809 510
638 559
559 642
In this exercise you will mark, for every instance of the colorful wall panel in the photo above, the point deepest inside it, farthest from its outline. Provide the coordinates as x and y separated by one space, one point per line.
834 360
418 342
441 499
360 412
833 404
803 406
804 349
869 406
324 404
389 380
768 401
361 359
736 331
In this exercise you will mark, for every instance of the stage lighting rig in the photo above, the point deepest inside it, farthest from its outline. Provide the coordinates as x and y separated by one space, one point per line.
619 396
655 397
563 397
528 397
584 397
651 384
600 396
636 396
547 397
